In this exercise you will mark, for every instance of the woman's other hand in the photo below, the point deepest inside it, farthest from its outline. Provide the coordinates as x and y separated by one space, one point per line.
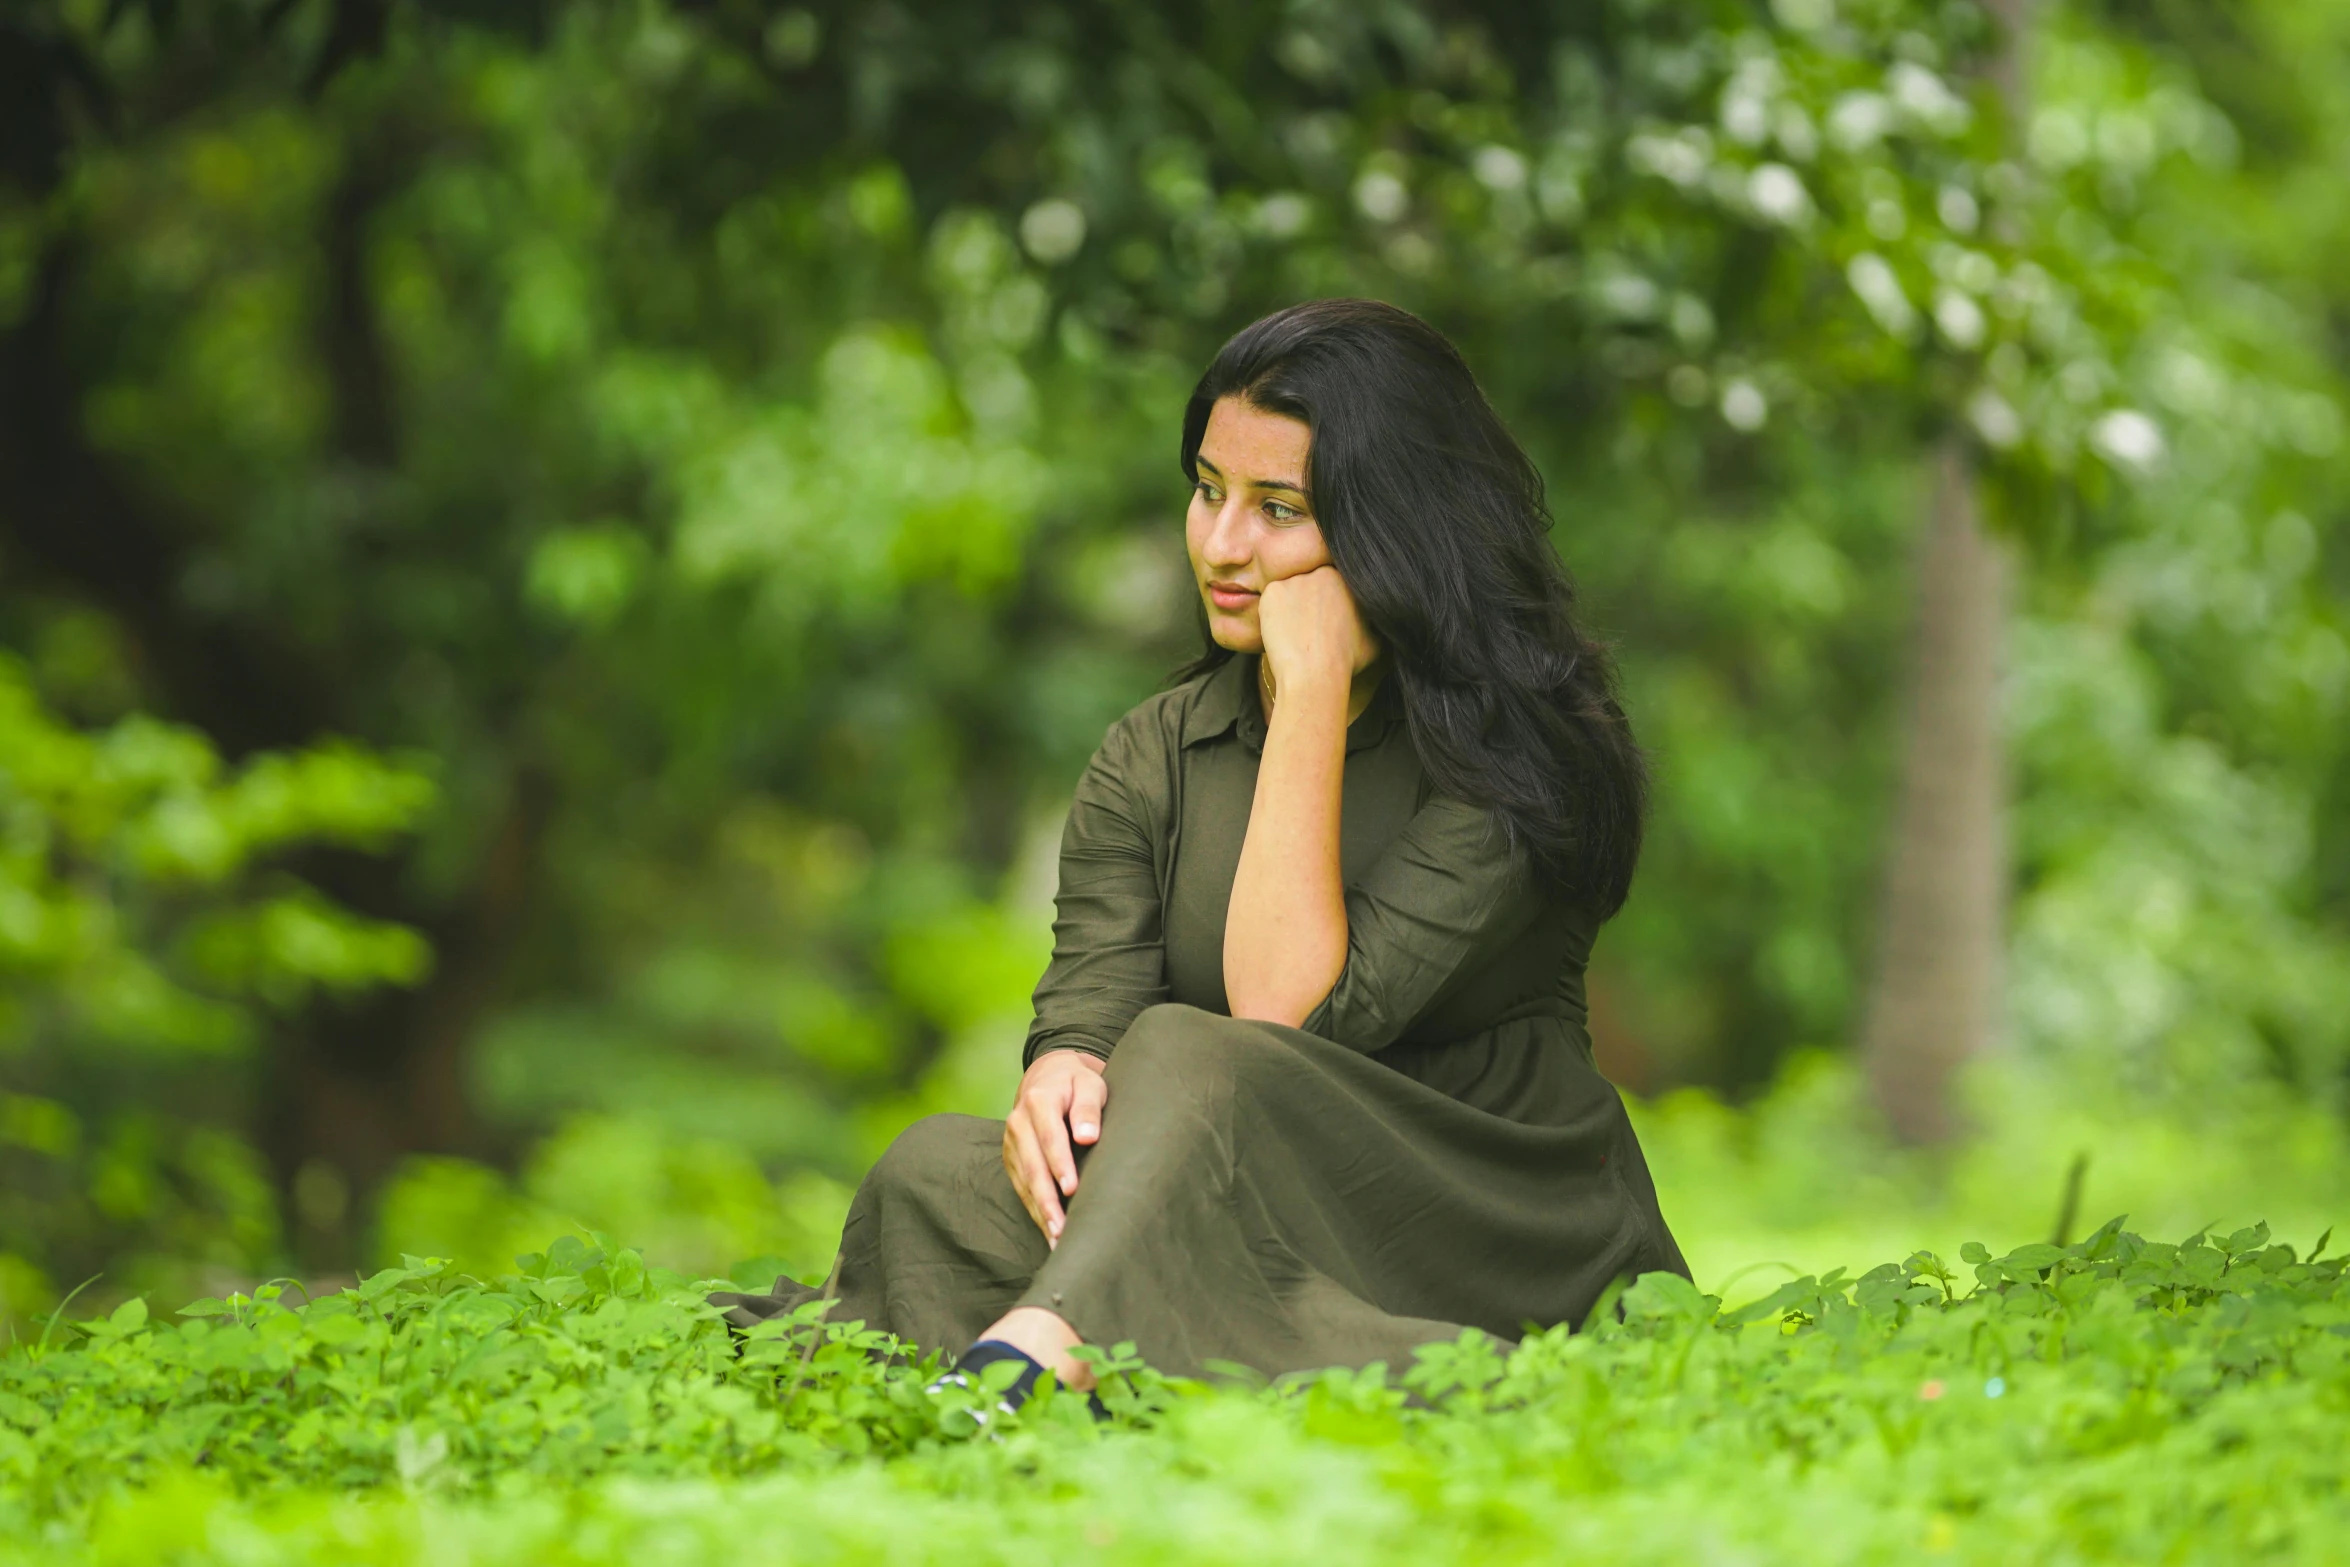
1059 1103
1311 627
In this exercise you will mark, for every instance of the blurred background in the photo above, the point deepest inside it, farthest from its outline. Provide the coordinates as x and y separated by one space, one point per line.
558 564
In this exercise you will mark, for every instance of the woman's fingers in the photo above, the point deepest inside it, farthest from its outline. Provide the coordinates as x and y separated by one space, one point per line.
1048 1112
1012 1170
1061 1094
1019 1186
1087 1095
1031 1177
1312 619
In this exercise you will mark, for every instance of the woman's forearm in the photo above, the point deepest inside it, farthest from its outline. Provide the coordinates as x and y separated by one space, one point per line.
1285 930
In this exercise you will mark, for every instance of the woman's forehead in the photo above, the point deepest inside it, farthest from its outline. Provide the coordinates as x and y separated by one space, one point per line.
1244 443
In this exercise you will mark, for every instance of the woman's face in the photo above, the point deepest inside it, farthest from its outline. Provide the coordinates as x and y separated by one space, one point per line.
1250 521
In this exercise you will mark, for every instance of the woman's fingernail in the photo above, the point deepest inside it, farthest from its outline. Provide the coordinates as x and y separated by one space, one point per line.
1085 1128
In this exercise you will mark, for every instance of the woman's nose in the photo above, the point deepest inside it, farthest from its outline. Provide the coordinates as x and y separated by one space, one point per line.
1227 540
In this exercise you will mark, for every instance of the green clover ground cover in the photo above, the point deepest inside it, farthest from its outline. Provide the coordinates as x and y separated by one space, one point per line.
2117 1399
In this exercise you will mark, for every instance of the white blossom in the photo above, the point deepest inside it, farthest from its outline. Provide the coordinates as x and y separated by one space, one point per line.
1958 318
1053 230
1498 168
1859 121
1381 196
1776 193
1871 277
1284 214
1995 418
2128 439
1926 98
1744 407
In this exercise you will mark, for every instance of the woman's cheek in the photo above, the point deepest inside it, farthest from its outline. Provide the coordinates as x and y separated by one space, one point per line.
1301 552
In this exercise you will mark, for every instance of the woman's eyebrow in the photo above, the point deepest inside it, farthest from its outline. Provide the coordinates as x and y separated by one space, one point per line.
1299 490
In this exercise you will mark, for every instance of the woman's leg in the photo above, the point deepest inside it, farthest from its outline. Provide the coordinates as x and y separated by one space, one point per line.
1046 1339
937 1246
1265 1197
938 1242
937 1250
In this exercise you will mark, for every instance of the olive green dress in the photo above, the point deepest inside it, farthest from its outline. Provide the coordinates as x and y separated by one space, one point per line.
1432 1148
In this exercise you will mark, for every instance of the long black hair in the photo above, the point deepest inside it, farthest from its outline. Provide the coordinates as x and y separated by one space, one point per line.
1436 519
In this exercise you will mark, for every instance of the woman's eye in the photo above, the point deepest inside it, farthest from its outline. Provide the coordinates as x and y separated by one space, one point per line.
1206 492
1281 513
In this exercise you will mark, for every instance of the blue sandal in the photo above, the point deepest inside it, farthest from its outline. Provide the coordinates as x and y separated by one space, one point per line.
992 1351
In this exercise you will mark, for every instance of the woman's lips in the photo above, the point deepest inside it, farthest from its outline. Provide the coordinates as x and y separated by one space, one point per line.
1225 596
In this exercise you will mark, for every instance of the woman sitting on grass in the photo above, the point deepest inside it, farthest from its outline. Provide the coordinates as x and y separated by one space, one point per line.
1309 1083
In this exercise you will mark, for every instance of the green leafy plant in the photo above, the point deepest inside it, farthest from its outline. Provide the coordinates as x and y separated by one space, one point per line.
2116 1398
151 933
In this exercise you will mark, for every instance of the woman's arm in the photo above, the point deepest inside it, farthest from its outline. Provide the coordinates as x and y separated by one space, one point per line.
1443 898
1109 963
1285 928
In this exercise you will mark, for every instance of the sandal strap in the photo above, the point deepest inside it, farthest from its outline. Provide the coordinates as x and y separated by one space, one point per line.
988 1352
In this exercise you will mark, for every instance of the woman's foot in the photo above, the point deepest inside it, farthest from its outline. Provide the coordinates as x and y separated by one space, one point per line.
1046 1339
968 1367
988 1352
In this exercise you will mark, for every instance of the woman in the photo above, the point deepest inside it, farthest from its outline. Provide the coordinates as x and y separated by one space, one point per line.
1309 1082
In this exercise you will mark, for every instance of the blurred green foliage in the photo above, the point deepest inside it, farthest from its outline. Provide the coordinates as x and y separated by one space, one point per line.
734 445
144 926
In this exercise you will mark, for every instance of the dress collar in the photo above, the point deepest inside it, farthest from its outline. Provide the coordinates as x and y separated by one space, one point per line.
1228 700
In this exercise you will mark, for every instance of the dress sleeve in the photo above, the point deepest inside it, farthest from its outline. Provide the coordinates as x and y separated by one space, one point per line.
1109 959
1440 899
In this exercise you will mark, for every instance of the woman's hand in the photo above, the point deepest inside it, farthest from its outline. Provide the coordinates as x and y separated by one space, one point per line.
1060 1102
1311 628
1285 927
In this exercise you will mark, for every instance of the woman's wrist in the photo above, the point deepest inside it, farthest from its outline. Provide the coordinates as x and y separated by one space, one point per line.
1056 1052
1312 685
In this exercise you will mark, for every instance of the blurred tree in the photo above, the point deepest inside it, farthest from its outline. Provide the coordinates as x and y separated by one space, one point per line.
148 923
2279 71
2204 624
1935 997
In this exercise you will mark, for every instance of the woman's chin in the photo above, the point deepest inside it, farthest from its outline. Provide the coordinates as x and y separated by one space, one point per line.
1234 633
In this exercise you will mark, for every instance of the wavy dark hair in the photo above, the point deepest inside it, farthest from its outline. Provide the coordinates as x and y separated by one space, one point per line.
1436 519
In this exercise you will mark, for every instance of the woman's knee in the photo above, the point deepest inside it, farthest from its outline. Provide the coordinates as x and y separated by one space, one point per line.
1158 1028
1176 1045
1159 1037
933 1154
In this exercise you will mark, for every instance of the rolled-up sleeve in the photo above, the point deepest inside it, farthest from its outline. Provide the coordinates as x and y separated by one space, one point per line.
1109 956
1442 898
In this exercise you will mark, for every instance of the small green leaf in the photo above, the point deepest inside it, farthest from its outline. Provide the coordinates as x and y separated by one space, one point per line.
2249 1238
377 1285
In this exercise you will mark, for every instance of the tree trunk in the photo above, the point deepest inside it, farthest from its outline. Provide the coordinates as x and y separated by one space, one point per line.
1935 1002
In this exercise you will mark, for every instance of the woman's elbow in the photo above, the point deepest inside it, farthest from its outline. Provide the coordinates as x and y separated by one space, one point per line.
1285 989
1276 1003
1290 1014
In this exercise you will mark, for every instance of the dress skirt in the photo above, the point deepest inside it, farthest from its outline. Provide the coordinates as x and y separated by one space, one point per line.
1262 1196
